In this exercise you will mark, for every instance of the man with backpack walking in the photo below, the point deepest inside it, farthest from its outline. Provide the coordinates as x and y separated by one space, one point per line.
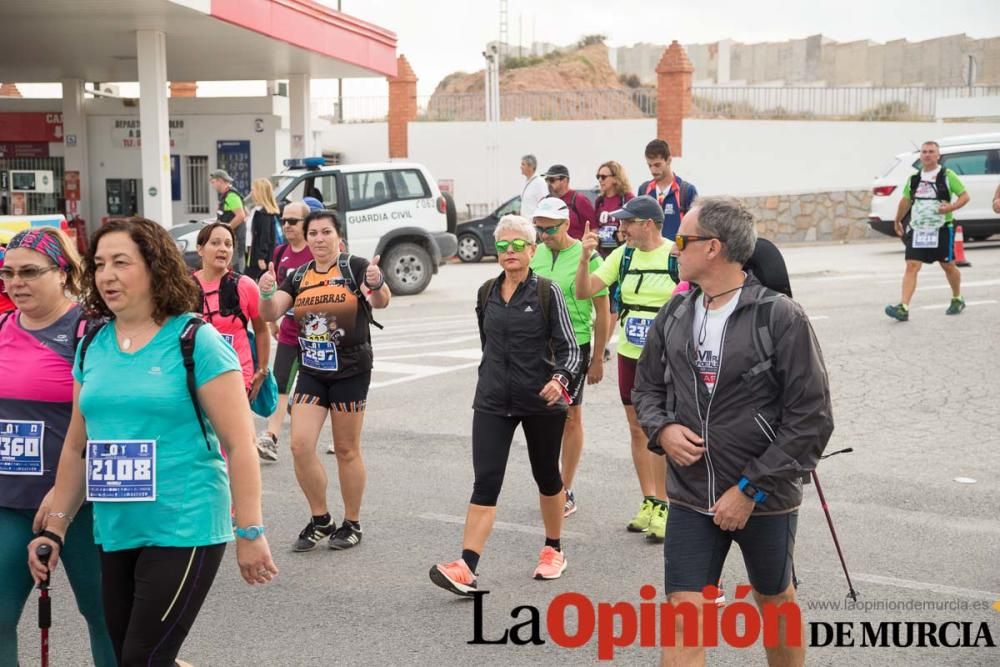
731 389
581 211
640 269
232 213
673 194
930 233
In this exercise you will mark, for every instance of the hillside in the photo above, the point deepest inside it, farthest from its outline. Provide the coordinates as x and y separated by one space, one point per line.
555 89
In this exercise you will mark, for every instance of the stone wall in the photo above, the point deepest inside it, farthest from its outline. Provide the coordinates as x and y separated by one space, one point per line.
815 216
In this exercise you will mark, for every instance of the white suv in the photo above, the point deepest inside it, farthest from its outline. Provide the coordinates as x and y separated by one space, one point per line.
393 209
976 161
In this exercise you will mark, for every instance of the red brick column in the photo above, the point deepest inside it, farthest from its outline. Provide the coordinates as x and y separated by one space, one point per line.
673 94
402 107
183 89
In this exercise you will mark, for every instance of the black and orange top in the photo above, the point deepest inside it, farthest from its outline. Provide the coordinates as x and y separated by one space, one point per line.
334 336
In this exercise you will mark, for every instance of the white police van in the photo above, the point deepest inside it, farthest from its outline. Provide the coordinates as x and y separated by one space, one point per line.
392 209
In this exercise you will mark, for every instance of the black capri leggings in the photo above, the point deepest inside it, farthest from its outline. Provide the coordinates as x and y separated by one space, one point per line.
491 439
152 596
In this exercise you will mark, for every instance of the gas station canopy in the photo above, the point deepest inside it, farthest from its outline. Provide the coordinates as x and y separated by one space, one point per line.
208 40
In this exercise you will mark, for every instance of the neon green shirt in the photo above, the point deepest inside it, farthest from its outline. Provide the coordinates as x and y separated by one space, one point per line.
926 188
649 290
561 269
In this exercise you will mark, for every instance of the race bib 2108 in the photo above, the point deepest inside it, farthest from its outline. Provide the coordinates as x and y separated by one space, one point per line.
121 470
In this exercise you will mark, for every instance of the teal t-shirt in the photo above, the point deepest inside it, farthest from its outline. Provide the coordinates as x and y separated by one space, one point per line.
144 396
560 268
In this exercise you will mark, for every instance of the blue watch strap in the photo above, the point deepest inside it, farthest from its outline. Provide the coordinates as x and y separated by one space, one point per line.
758 495
250 532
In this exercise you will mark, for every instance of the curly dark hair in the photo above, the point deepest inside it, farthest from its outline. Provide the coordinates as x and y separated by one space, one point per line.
175 291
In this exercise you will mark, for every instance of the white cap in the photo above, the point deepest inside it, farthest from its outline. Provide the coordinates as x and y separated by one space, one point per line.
552 208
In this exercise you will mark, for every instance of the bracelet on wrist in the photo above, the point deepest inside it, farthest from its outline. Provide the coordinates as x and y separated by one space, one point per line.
55 537
267 294
377 287
60 515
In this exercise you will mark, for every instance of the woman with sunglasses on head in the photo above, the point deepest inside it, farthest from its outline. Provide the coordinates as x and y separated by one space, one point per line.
530 360
265 227
615 192
334 316
156 391
37 342
230 302
288 257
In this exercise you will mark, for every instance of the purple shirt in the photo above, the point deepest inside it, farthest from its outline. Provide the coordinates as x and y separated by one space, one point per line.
288 332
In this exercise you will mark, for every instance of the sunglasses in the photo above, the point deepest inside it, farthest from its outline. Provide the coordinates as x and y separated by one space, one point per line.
291 221
27 274
601 177
517 244
549 230
682 240
554 179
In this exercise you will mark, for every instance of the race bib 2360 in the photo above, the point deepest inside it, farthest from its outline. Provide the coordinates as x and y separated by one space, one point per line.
121 470
21 447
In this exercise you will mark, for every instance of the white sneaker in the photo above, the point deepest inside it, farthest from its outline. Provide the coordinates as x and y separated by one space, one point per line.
267 447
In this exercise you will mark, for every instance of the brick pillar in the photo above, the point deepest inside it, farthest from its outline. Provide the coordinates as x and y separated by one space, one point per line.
673 95
183 89
402 107
9 90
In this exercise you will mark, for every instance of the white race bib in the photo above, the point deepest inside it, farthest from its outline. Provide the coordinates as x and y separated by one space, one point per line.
121 470
926 238
21 447
319 355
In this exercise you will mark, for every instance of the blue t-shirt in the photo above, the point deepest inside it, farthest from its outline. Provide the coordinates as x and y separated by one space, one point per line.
144 396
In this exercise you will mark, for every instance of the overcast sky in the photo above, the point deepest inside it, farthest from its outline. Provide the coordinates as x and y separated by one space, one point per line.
442 36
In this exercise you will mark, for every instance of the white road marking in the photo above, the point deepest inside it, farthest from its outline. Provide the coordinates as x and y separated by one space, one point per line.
411 378
819 317
453 354
940 589
944 306
405 369
499 525
436 343
944 285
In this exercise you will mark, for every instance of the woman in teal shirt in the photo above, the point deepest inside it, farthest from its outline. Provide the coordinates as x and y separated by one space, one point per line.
140 448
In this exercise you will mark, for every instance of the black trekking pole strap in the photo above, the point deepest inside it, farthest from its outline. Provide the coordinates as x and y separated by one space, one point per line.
853 594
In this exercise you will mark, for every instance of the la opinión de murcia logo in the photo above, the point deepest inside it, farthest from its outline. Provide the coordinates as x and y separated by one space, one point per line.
740 624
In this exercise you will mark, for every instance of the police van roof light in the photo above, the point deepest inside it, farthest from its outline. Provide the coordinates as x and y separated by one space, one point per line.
304 162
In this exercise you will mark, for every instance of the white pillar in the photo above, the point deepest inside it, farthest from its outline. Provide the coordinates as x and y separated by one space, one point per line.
724 60
153 118
75 143
298 110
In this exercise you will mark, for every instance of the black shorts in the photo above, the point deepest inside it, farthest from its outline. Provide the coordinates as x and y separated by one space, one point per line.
696 549
349 394
577 384
286 366
944 252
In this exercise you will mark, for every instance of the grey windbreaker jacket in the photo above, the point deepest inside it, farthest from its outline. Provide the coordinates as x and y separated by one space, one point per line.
768 420
521 353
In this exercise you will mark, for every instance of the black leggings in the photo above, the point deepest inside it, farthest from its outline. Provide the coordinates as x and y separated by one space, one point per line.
491 438
152 596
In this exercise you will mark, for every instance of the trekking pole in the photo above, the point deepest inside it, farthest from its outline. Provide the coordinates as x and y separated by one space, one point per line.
833 531
43 552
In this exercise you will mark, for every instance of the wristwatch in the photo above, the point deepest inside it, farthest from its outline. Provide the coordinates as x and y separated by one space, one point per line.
250 532
751 491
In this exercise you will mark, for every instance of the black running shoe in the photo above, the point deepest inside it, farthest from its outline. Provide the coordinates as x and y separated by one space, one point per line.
347 536
312 534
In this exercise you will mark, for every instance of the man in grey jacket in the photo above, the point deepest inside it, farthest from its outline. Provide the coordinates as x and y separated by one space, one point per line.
732 389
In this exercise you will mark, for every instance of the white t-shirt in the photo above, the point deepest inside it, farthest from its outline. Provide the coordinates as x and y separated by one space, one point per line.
709 352
925 189
534 191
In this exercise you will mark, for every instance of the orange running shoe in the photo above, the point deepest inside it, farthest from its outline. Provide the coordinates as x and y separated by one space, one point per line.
455 577
551 564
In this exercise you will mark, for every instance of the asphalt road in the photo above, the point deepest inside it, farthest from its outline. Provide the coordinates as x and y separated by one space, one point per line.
916 401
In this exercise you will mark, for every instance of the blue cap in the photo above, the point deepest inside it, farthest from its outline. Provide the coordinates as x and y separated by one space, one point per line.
313 203
640 208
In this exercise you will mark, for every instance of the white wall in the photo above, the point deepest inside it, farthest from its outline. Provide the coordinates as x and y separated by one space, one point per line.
206 120
739 157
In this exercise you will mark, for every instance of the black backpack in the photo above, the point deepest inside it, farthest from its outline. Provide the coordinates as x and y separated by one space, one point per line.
624 270
940 185
543 285
186 340
347 273
229 297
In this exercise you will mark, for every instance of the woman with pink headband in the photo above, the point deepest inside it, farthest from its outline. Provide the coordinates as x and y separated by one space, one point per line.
42 274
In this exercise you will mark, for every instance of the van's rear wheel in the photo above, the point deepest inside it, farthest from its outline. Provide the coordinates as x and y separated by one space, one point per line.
408 269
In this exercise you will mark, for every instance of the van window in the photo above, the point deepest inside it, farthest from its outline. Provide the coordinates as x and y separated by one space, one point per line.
409 184
972 163
367 189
